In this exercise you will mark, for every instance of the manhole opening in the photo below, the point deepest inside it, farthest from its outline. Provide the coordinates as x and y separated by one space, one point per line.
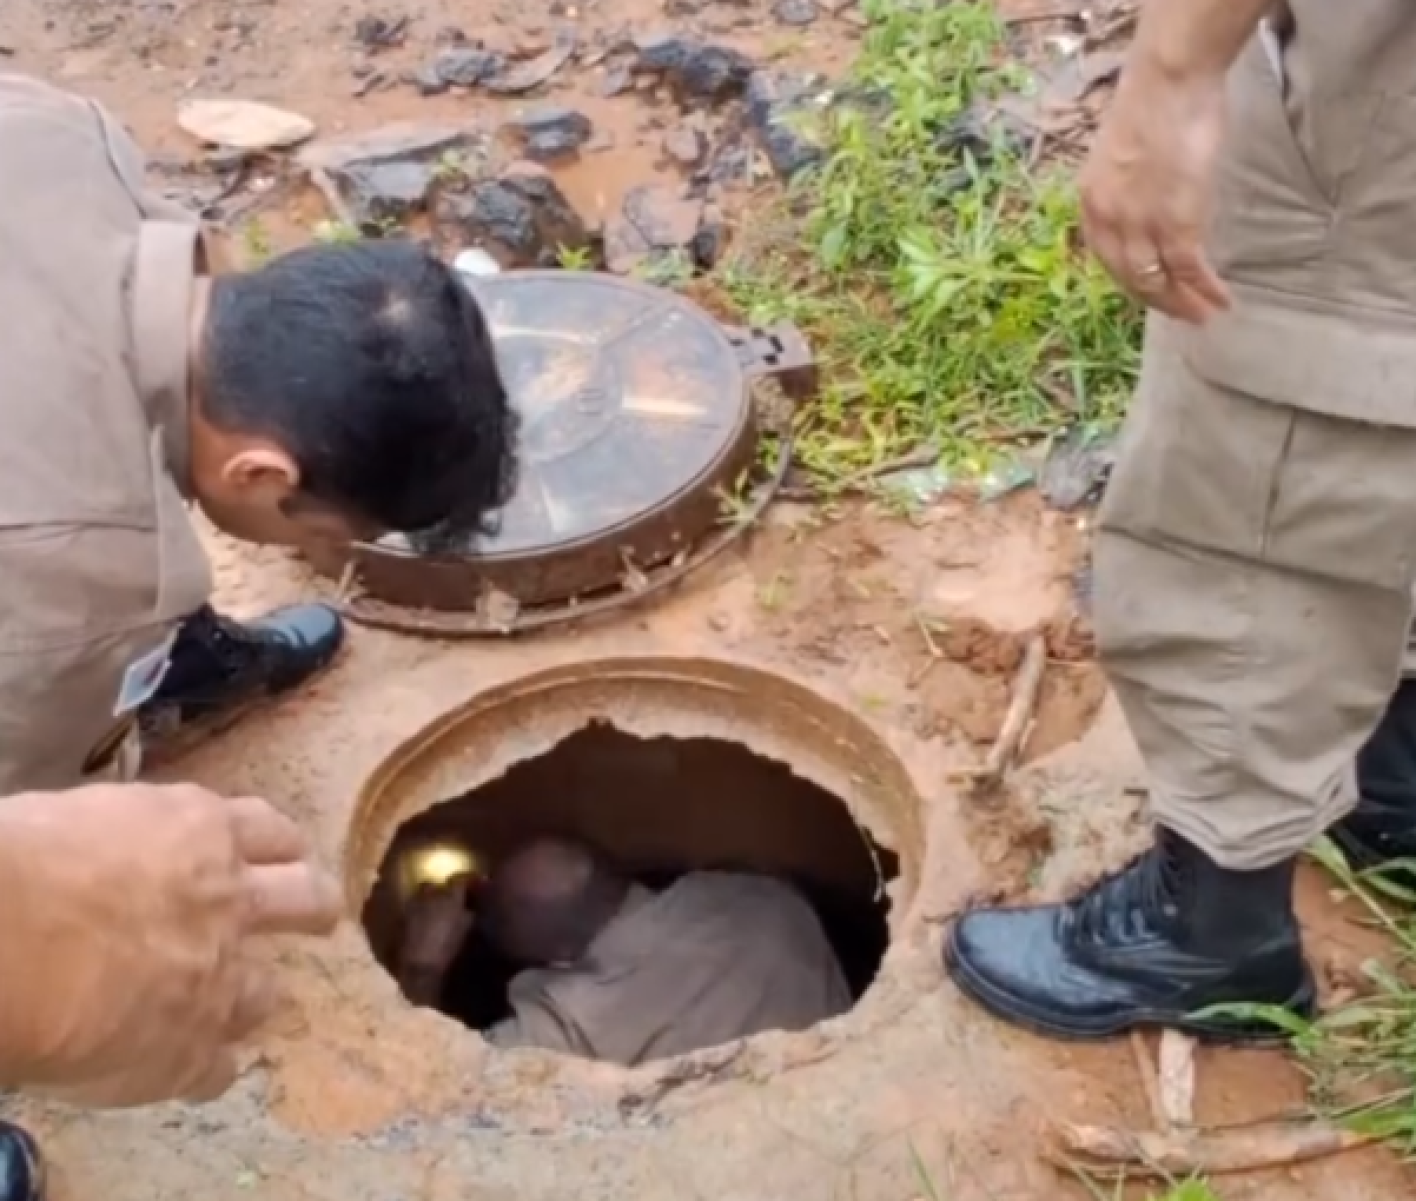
660 808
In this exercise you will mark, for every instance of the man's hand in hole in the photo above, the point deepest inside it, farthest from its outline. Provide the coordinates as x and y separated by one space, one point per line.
438 920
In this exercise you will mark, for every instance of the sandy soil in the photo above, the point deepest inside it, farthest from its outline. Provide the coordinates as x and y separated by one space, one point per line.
913 627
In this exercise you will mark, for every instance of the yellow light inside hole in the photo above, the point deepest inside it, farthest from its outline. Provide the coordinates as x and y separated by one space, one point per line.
438 864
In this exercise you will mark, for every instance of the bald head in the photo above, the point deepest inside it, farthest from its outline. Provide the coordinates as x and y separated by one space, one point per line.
547 902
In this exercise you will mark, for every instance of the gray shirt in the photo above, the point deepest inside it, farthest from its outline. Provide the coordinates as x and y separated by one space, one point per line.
715 957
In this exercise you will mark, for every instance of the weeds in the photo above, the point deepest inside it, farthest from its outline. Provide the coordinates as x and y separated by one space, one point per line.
1193 1189
944 292
1361 1056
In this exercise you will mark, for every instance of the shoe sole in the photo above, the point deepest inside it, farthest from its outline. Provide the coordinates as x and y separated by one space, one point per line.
1001 1005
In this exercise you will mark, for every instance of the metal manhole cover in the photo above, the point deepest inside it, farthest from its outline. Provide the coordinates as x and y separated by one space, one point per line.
636 413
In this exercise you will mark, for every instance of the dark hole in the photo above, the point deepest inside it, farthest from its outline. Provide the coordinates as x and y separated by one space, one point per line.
661 807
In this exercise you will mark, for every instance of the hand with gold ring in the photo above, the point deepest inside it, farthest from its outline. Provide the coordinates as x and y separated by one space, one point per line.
1147 190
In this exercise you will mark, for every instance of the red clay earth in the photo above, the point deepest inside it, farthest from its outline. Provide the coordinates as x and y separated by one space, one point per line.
358 1098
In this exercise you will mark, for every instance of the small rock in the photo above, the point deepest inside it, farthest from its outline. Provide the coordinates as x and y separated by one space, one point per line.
243 124
983 130
685 146
522 218
777 108
694 70
1077 468
616 81
464 66
795 12
427 80
523 77
551 131
387 175
711 239
380 33
369 83
654 222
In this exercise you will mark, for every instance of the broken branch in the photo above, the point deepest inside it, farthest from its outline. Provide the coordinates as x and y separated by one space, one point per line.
1017 721
1110 1151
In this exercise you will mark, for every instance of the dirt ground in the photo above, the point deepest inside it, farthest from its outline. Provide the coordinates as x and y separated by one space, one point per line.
915 627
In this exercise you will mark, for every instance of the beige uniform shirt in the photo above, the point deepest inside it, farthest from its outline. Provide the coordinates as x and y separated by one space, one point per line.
716 957
98 557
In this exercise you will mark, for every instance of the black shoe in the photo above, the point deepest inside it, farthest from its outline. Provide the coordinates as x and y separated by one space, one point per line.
1383 826
220 669
1168 936
21 1166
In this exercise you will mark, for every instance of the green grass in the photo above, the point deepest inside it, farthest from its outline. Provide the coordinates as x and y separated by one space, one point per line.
1360 1057
1175 1190
963 317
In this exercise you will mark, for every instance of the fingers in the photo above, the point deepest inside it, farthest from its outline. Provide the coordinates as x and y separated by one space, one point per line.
264 834
286 893
292 898
1192 272
1163 269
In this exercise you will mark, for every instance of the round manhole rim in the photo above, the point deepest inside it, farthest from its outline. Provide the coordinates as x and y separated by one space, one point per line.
407 773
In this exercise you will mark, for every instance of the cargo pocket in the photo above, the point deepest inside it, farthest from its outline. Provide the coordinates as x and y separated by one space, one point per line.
1198 463
1270 207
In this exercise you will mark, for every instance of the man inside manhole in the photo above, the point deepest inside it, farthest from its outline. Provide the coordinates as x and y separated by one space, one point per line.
615 971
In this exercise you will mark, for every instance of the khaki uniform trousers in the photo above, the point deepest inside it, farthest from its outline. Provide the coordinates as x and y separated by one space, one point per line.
1256 550
1254 571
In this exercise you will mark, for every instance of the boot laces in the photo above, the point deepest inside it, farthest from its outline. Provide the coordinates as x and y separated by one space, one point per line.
238 646
1129 903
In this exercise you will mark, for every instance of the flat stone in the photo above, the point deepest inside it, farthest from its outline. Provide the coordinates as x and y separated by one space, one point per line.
243 124
463 66
387 175
398 140
526 76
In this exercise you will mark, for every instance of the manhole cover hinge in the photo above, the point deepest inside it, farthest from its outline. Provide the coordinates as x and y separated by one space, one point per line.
779 351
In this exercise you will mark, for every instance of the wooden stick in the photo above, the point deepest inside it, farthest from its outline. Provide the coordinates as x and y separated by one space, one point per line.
1018 720
1110 1151
1177 1078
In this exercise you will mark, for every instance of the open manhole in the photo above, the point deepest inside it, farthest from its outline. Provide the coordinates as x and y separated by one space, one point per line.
667 766
640 441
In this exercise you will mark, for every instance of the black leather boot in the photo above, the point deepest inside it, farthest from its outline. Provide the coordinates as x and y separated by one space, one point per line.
1383 826
1168 936
21 1166
220 669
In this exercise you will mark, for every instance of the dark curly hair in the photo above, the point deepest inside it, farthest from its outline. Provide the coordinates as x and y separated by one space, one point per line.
372 366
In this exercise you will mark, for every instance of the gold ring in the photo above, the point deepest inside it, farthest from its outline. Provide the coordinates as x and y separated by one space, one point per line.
1151 270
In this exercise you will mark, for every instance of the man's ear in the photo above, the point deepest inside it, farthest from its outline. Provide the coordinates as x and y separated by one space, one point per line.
261 468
